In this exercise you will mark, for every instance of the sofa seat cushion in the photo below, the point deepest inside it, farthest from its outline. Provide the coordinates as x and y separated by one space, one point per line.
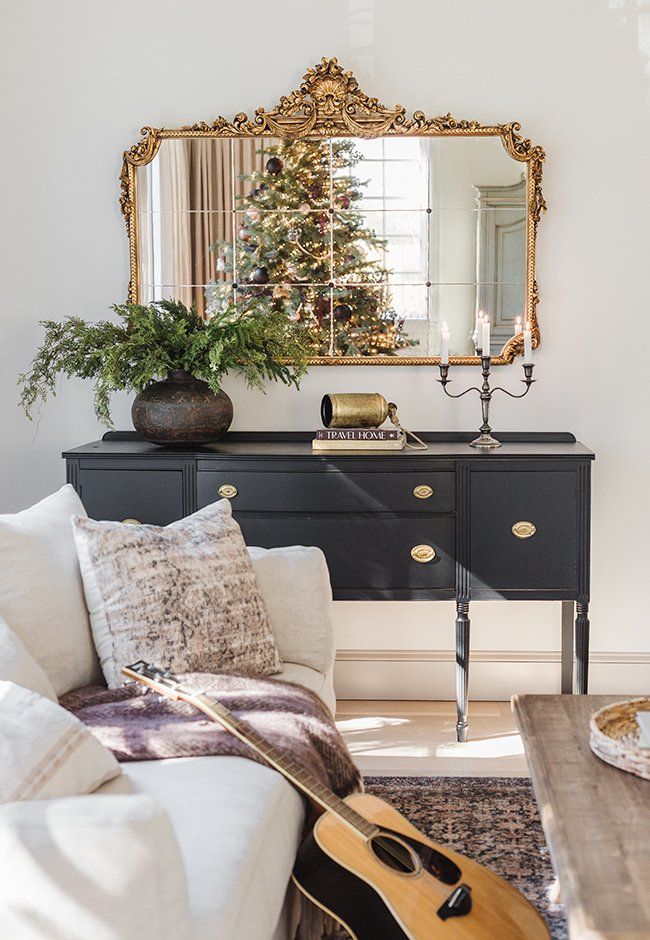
238 825
310 679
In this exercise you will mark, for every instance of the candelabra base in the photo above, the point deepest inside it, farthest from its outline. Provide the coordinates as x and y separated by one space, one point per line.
485 439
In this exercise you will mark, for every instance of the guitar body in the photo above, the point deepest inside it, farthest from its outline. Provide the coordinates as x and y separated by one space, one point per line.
375 891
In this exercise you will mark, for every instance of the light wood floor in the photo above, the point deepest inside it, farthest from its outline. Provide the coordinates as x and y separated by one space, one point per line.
407 739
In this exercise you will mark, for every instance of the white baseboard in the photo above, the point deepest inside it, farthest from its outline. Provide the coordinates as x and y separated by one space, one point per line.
494 674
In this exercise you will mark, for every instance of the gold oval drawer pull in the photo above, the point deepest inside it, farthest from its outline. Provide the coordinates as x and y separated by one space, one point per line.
131 522
423 491
423 553
524 530
227 490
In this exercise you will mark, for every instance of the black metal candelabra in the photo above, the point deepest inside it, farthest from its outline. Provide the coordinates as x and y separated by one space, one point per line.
485 438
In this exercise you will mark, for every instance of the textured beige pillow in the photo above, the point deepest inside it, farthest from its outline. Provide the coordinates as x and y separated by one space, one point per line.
182 596
46 752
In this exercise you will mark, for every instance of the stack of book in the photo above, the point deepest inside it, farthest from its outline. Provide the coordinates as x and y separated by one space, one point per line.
358 439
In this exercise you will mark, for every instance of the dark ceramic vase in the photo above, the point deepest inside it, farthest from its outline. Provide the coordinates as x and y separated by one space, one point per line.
181 410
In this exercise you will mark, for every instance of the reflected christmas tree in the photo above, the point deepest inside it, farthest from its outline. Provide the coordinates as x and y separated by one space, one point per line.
304 246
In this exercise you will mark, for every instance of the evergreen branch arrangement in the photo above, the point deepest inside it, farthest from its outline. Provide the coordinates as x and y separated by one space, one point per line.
260 343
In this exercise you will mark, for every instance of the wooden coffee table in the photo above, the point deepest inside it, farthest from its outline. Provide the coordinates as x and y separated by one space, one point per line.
596 818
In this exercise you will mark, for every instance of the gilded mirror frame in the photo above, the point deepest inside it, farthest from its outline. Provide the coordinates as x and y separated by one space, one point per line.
329 103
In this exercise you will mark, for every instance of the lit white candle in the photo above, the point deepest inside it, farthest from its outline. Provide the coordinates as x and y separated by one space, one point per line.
444 344
528 344
485 345
479 329
517 325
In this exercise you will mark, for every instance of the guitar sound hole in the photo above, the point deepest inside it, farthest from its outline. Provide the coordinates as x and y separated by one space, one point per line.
394 854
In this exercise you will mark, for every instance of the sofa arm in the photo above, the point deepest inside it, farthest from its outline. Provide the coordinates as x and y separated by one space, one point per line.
296 588
106 867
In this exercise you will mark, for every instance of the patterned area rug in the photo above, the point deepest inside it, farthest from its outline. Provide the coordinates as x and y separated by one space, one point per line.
493 820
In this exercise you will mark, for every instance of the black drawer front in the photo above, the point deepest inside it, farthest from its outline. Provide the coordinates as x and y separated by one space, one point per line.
332 491
544 561
364 551
150 496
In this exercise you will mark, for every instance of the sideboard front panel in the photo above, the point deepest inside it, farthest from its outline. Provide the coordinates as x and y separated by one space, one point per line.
325 491
364 553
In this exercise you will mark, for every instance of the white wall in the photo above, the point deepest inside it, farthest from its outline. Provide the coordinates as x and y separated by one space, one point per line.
79 79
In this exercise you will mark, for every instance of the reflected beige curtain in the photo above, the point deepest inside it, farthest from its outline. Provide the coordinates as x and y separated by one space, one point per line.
175 271
211 176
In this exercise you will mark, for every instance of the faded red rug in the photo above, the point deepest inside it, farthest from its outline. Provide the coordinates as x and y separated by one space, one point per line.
493 820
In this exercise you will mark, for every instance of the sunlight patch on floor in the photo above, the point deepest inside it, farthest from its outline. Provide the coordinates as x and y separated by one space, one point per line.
505 745
369 723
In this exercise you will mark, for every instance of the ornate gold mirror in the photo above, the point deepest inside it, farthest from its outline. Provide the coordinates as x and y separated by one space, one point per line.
371 227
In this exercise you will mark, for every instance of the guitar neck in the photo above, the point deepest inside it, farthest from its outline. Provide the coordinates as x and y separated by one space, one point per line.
298 776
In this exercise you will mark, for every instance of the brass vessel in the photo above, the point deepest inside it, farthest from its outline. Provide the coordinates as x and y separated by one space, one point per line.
354 410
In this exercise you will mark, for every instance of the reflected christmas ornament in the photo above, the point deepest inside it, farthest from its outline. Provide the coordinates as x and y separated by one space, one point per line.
274 166
293 234
254 193
342 313
259 276
304 208
344 201
253 214
244 234
221 264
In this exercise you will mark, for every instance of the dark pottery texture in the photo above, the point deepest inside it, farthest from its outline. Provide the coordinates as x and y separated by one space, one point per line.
181 410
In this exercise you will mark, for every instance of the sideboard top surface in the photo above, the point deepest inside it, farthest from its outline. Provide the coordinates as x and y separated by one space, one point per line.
297 445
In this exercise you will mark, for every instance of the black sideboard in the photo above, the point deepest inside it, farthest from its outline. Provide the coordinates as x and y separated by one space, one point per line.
451 522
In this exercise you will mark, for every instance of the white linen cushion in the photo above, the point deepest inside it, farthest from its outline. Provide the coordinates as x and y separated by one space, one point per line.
41 595
296 588
100 867
16 665
322 685
239 825
183 596
45 751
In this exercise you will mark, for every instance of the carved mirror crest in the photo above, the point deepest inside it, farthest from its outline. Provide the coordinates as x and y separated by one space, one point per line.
369 226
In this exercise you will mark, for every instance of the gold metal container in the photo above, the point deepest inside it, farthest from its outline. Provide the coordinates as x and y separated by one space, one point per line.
354 410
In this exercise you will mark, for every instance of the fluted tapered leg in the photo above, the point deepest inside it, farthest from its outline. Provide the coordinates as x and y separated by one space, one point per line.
582 647
462 667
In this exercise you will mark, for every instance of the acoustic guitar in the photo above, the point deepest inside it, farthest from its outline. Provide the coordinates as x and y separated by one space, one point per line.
364 864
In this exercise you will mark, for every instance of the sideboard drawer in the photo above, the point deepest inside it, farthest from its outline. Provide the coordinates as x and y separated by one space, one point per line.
370 552
150 496
331 491
541 557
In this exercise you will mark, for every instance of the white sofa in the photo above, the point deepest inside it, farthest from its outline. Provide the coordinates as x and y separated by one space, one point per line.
237 824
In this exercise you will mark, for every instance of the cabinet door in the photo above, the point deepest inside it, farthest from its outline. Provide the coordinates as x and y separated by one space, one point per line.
150 496
506 556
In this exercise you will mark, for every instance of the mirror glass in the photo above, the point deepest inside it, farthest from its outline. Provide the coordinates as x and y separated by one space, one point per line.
373 244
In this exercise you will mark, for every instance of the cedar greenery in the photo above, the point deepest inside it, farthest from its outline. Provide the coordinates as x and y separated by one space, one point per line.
260 343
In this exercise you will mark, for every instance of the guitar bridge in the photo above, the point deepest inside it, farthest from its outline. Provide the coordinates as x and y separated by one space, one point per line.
457 904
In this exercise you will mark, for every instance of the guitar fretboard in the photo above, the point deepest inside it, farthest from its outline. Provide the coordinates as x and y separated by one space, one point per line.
301 778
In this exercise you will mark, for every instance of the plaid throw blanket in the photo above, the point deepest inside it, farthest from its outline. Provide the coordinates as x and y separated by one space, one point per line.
135 726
